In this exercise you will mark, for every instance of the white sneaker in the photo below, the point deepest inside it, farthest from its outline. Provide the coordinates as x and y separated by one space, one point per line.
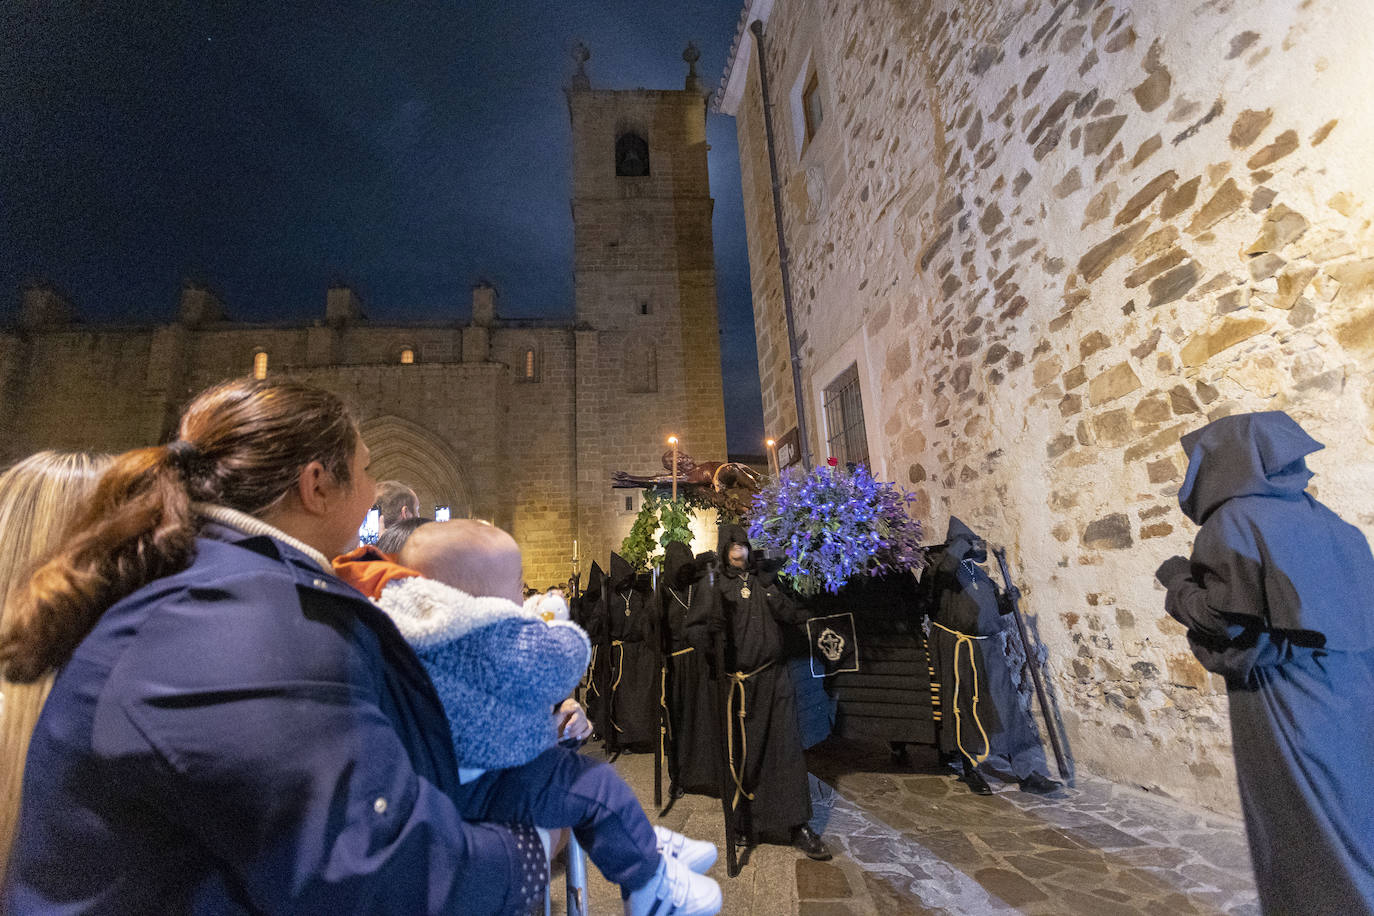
675 890
698 855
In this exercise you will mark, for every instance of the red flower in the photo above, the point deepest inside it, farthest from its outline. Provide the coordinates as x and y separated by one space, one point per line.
833 461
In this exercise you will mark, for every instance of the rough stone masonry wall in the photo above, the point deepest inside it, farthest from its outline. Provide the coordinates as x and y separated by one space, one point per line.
1075 230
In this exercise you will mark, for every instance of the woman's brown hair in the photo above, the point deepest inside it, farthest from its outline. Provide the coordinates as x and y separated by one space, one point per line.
240 444
39 497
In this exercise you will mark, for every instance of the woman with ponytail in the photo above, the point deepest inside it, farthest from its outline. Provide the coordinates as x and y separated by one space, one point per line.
232 728
39 497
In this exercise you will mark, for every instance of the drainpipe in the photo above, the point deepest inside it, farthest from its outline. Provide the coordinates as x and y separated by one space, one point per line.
803 438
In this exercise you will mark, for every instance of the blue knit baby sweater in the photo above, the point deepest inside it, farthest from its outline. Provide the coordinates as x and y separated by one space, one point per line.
499 670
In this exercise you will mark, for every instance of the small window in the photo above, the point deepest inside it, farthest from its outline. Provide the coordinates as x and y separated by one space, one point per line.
631 156
441 513
844 419
260 365
812 111
407 356
641 366
529 367
644 308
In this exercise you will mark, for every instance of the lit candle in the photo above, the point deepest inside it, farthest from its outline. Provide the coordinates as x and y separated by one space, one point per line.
672 440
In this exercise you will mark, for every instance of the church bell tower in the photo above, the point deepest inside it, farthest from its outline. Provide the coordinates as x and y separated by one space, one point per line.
648 345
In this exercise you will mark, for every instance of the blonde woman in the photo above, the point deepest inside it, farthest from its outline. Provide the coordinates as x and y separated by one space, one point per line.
39 496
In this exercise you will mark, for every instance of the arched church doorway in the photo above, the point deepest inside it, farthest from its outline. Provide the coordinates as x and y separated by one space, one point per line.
405 451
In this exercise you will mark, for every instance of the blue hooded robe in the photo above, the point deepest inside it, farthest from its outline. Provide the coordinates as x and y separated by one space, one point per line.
1278 598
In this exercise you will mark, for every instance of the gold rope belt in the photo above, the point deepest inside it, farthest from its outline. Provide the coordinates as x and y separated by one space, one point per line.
619 673
737 679
963 640
663 720
591 673
666 732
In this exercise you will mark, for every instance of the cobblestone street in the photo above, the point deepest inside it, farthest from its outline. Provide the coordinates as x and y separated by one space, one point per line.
909 839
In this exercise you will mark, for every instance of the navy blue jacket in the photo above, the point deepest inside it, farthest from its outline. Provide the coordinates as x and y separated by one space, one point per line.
249 735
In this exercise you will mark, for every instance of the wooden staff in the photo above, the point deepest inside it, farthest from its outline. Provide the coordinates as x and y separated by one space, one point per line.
1033 663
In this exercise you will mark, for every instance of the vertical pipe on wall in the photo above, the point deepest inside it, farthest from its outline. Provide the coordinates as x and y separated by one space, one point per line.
803 438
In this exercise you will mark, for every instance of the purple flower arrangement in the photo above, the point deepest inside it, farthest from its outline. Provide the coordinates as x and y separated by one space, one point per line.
834 524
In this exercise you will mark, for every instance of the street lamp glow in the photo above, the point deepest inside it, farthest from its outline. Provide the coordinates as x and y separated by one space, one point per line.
672 440
770 443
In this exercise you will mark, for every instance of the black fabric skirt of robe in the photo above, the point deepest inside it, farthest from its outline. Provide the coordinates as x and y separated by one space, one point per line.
773 768
694 732
634 696
961 672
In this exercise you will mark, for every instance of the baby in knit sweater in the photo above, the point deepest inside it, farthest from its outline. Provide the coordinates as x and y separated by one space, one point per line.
501 671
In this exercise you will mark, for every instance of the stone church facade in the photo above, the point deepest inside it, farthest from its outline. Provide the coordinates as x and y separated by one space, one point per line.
517 421
1031 244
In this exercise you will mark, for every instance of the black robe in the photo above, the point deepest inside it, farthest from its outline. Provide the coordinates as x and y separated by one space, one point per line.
767 748
1278 598
589 612
693 728
965 619
635 685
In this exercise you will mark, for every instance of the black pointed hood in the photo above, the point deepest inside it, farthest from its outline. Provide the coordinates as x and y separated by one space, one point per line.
679 569
959 539
595 580
622 573
1251 454
731 534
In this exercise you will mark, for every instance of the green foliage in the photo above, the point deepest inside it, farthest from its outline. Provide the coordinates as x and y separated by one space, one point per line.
676 522
640 547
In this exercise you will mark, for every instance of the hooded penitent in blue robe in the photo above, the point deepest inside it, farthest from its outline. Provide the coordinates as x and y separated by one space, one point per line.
1278 599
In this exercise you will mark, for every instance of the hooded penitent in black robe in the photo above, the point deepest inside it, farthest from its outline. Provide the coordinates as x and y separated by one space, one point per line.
588 612
693 739
766 748
965 620
1278 599
966 599
634 672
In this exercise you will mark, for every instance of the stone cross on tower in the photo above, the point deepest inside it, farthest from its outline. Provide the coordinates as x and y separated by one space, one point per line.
692 55
581 54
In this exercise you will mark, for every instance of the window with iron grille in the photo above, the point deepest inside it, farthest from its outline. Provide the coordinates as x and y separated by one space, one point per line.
844 419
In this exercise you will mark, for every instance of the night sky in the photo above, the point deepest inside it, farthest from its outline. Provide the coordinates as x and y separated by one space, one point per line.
269 149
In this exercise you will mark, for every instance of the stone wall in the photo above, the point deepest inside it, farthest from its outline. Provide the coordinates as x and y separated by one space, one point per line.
1054 236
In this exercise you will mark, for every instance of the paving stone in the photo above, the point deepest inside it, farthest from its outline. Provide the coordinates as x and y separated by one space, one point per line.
1036 867
1008 886
1103 836
829 908
1082 859
820 880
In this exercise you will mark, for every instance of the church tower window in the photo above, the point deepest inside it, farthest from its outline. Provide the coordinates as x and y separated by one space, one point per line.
641 366
407 356
529 365
260 365
631 156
